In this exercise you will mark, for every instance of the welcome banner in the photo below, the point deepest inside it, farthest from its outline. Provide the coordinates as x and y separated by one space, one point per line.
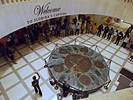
18 15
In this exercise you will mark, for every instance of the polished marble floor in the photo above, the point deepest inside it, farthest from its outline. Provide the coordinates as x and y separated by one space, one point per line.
15 79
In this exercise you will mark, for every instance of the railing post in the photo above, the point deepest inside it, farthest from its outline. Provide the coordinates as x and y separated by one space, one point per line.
13 1
0 1
17 0
3 1
9 1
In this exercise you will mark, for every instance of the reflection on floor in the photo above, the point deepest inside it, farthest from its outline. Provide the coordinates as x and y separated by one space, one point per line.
15 79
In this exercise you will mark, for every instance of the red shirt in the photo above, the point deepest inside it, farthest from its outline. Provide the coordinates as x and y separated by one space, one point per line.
3 41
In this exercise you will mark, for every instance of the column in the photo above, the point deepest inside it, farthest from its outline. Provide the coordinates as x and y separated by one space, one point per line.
0 2
9 1
3 1
17 0
13 1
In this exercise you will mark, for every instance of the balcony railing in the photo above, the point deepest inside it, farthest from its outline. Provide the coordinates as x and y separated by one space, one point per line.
14 1
129 1
11 1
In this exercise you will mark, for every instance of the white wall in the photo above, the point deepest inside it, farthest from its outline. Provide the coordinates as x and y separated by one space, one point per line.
17 15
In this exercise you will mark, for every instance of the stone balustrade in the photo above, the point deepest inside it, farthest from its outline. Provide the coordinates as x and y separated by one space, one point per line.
11 1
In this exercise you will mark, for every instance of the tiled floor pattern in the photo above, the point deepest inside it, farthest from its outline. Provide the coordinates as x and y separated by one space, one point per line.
15 79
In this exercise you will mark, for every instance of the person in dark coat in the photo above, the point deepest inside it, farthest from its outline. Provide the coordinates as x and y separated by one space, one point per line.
47 35
67 28
10 53
106 29
119 37
127 32
100 28
66 89
111 32
75 20
31 35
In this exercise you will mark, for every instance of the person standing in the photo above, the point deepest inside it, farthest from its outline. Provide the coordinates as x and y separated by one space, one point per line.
3 46
35 84
58 30
94 28
55 31
128 31
111 31
119 37
35 31
67 28
10 53
15 38
125 42
77 29
63 30
88 25
106 29
75 20
100 28
82 28
47 35
60 95
51 29
73 27
66 89
31 35
114 35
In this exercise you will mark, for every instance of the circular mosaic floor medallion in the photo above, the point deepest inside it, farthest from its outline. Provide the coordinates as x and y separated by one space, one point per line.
84 50
84 80
63 51
78 63
99 64
58 68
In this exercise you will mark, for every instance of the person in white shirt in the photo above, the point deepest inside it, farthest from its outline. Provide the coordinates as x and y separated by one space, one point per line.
51 29
114 36
77 29
55 32
125 42
73 27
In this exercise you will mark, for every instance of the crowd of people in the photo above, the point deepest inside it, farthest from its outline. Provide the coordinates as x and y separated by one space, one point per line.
39 31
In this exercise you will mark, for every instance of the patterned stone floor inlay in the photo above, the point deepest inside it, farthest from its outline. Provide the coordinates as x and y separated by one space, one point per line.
84 50
63 51
58 68
84 80
78 63
99 64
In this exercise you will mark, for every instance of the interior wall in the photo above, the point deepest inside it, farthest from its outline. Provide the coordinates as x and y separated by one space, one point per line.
17 15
